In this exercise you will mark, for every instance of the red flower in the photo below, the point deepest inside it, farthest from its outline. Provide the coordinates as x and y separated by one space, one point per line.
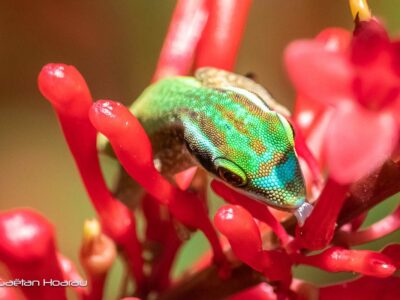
360 79
344 85
244 236
28 249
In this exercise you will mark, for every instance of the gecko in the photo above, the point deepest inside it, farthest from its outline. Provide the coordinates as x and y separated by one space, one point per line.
231 127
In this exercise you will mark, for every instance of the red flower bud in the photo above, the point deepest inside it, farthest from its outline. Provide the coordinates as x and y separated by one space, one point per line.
28 250
162 242
337 259
66 89
257 209
243 234
8 293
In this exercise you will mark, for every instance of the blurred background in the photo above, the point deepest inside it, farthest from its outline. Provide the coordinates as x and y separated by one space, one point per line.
115 45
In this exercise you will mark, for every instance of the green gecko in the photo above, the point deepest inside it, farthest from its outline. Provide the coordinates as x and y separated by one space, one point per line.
230 126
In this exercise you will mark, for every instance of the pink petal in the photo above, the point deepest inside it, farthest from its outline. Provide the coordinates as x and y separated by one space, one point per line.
358 141
335 39
376 59
307 112
317 73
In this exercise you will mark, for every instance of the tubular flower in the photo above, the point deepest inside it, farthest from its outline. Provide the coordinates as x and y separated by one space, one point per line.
190 16
8 293
258 210
28 249
336 259
67 91
360 80
243 234
98 253
345 83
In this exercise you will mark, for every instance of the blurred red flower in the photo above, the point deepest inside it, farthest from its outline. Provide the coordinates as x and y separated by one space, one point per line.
358 80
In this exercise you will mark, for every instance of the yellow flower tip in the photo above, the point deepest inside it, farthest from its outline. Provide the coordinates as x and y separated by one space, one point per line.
359 9
91 230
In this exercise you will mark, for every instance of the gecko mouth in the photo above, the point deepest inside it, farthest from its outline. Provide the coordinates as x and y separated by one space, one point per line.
301 212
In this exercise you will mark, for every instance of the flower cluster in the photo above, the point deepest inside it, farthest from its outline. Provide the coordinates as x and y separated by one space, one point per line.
347 132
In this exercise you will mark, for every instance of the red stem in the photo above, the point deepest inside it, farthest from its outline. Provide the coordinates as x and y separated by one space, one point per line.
184 32
160 275
357 222
319 228
117 220
381 228
96 287
219 44
162 239
70 272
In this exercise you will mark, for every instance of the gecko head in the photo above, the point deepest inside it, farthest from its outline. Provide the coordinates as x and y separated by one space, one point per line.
253 152
261 162
265 166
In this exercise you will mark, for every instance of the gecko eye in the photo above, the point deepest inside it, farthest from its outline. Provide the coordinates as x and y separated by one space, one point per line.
230 177
230 172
